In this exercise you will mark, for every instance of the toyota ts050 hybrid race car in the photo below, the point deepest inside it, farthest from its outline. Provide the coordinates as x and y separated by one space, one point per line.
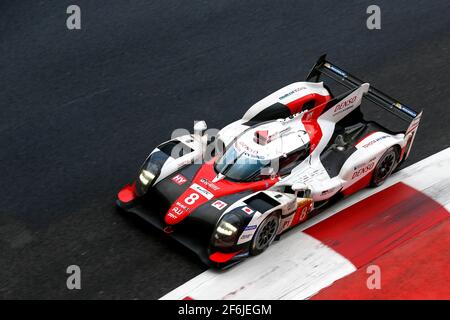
290 154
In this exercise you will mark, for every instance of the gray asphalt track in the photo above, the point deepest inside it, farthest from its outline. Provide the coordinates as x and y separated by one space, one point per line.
80 110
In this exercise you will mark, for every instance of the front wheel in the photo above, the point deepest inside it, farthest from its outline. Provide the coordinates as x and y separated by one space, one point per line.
384 167
265 234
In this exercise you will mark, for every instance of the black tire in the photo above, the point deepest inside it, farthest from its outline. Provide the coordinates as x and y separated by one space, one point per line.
385 167
265 234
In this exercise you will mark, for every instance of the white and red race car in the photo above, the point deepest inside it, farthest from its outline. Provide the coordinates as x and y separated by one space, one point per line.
288 156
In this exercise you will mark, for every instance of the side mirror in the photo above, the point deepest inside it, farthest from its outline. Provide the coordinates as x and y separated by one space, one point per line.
200 136
303 189
299 187
269 171
200 128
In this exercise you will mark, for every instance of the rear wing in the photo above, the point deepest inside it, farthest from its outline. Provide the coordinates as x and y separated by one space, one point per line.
324 67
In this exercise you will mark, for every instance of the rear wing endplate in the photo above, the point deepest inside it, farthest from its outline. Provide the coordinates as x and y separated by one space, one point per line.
324 67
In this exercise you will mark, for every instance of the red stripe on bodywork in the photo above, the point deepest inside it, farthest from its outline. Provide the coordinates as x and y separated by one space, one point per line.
221 188
314 132
297 105
312 127
358 185
378 223
418 269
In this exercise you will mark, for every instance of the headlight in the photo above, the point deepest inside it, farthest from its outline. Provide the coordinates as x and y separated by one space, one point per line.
226 228
146 177
227 231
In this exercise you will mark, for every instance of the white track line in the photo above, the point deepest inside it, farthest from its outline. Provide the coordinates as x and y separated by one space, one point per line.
293 267
298 265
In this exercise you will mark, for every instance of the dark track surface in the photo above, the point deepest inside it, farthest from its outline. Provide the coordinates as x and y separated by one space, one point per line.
80 110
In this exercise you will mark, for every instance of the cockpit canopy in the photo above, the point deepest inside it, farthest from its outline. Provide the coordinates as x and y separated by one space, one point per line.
238 165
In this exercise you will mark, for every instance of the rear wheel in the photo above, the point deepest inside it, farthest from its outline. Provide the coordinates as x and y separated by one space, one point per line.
265 234
385 167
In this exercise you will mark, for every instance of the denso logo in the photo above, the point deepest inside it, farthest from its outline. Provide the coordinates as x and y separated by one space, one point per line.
345 103
362 171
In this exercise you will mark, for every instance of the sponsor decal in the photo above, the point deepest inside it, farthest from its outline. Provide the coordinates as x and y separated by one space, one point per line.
246 236
208 183
175 212
208 195
182 206
405 109
252 227
335 69
363 170
247 210
179 179
171 215
241 145
219 205
291 93
342 106
375 141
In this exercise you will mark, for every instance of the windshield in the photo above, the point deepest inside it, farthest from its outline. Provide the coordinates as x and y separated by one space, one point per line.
239 166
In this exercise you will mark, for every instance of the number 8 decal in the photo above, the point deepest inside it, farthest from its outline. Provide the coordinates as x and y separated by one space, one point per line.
190 200
304 213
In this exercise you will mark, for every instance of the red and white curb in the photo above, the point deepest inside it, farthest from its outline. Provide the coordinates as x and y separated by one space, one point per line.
388 226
